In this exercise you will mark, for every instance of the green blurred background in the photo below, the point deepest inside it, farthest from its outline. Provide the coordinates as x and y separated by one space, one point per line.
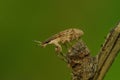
22 21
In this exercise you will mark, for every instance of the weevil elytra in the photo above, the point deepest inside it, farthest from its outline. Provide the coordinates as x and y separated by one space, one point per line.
62 38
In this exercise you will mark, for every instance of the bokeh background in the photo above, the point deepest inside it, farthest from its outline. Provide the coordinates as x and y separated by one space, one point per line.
22 21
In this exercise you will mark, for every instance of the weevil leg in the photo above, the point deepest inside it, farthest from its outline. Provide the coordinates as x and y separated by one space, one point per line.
61 56
58 49
67 46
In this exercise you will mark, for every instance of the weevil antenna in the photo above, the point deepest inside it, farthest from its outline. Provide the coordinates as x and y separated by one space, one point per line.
39 43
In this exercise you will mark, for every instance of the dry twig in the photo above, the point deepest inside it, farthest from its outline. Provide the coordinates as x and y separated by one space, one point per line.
108 52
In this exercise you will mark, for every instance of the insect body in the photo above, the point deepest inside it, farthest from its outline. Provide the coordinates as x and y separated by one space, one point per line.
63 37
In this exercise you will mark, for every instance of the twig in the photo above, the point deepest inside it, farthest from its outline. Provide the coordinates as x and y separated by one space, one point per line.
108 53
